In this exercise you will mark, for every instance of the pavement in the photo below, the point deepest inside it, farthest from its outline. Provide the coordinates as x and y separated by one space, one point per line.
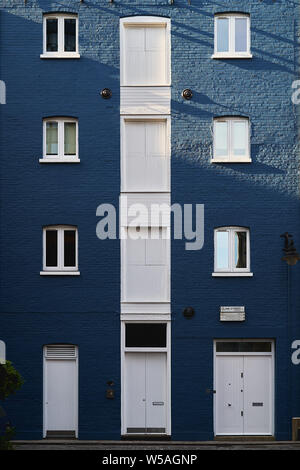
70 444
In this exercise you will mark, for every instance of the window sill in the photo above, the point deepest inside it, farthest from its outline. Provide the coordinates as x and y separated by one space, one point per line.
232 56
236 160
65 55
235 274
60 273
59 160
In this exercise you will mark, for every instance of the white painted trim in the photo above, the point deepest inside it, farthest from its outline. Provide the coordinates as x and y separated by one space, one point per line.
145 317
59 160
236 160
60 273
272 353
167 351
66 55
60 53
233 274
145 308
145 21
237 55
45 359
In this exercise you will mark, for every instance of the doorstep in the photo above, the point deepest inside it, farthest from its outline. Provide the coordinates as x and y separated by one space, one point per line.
245 438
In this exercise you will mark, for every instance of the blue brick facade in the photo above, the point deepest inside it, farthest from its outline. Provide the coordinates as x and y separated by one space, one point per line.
263 196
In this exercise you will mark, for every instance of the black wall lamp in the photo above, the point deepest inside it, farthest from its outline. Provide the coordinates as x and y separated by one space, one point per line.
187 94
188 312
290 253
106 93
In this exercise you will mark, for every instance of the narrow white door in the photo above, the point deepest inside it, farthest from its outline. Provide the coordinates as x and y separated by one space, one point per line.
156 409
135 392
229 395
258 395
60 393
145 393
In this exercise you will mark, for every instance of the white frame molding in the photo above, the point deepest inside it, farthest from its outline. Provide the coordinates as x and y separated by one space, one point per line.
232 54
230 157
45 386
145 118
124 351
60 269
60 157
245 340
145 21
60 53
231 271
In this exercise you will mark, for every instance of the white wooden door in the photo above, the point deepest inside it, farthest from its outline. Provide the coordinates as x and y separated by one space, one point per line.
145 55
145 393
145 155
229 395
60 393
258 394
146 272
244 390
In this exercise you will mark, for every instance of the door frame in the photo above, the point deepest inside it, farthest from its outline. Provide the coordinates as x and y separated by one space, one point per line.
76 405
272 397
124 351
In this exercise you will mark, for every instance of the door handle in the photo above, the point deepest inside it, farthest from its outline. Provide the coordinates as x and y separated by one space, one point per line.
158 403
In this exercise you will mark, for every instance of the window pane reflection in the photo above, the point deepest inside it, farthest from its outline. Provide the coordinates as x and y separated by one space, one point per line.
51 35
240 249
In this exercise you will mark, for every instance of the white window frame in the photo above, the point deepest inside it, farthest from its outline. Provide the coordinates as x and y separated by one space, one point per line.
60 53
145 118
60 269
145 21
60 157
232 54
231 270
230 157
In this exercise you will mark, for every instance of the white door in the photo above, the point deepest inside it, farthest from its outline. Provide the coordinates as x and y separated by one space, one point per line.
258 394
60 391
145 55
145 155
243 401
229 395
145 393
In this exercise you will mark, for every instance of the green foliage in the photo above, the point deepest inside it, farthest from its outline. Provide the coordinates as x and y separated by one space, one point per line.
10 380
5 439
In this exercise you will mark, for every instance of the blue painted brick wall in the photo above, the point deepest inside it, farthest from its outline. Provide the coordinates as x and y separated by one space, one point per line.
264 196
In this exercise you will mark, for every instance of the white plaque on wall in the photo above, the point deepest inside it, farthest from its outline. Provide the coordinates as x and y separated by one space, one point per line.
232 313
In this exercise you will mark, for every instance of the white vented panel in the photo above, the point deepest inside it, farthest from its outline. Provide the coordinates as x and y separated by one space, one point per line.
145 155
146 100
60 352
